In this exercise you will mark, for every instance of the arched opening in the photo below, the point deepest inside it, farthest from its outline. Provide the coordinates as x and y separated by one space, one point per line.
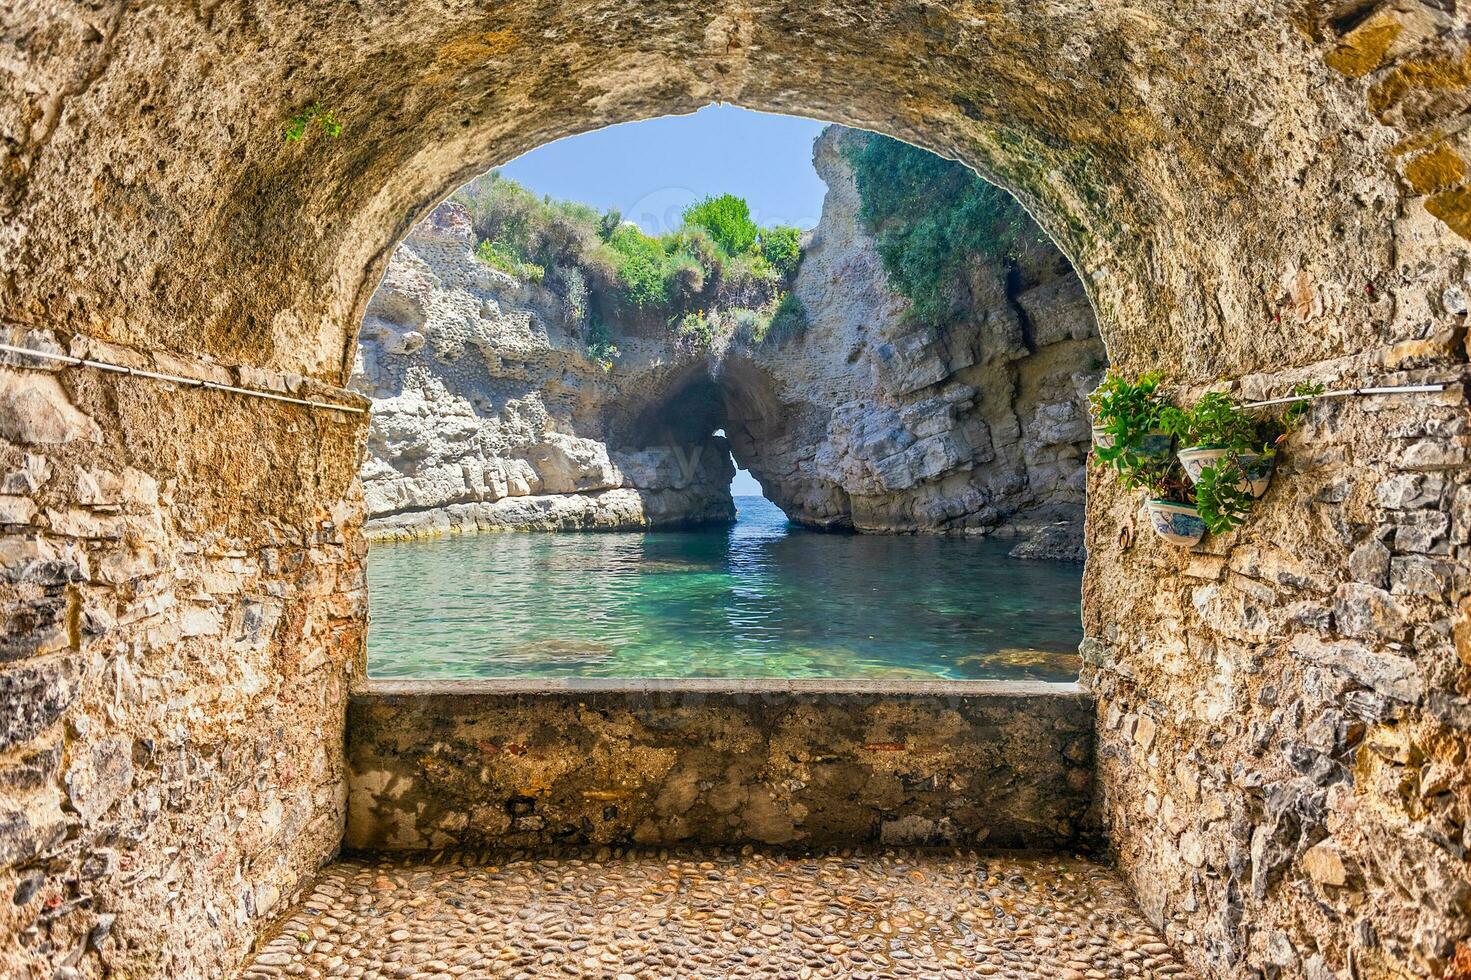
915 360
1253 196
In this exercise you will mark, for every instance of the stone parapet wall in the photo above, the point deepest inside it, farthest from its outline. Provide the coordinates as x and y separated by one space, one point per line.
181 604
1284 727
506 764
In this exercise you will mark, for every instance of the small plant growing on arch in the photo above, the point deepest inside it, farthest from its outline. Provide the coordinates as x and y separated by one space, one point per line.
315 116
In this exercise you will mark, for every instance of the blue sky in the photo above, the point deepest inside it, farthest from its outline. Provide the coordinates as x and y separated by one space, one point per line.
652 170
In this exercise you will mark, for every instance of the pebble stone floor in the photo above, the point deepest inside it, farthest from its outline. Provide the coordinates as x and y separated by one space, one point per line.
717 913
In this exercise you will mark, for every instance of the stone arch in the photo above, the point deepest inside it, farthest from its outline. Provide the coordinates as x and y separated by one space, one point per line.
1146 165
1255 192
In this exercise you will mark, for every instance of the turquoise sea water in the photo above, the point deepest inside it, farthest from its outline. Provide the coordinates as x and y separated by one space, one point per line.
761 598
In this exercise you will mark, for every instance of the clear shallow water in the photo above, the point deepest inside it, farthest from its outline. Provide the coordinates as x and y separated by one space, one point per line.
759 599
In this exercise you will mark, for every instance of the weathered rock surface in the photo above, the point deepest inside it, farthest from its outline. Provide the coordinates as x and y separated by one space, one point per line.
873 420
489 414
172 625
1251 191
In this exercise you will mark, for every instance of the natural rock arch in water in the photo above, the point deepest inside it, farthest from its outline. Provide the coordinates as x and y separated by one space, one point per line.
1254 193
492 410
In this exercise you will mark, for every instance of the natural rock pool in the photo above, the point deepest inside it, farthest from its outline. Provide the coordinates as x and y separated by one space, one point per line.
761 598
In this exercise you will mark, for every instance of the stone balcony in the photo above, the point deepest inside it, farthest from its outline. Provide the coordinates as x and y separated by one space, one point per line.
717 828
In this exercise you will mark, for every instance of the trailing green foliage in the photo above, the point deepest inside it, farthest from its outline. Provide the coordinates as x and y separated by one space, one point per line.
314 116
1222 497
931 217
607 271
1126 412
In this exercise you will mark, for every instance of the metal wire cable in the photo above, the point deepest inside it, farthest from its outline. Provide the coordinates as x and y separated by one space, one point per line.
176 379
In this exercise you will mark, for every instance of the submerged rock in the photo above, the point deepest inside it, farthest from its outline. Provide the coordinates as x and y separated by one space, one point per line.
567 648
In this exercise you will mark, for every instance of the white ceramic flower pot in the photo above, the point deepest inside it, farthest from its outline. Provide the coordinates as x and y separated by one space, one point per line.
1195 459
1257 469
1179 524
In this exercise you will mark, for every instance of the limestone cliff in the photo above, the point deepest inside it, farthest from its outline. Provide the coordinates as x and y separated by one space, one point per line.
876 421
489 413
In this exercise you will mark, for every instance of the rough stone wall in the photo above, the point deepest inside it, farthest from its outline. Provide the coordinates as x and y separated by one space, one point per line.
874 421
1283 736
181 590
1243 187
487 765
489 414
1285 711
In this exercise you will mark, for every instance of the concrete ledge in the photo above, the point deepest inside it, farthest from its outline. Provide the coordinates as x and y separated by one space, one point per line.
532 763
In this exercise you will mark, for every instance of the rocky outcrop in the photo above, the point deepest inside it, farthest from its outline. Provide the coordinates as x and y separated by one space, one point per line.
489 413
875 420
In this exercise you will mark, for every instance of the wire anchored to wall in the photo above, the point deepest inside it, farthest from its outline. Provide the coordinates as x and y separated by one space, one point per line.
354 410
1350 392
176 379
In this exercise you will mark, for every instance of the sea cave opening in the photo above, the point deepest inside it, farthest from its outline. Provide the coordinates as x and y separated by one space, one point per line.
886 348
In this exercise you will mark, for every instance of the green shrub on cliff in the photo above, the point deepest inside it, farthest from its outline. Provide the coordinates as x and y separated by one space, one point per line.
499 257
600 346
788 321
642 266
930 216
728 220
609 270
781 247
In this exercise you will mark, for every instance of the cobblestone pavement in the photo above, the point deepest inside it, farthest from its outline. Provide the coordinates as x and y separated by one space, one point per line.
677 914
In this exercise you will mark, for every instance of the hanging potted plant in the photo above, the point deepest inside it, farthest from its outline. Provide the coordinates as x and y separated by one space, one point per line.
1172 512
1126 426
1217 434
1225 462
